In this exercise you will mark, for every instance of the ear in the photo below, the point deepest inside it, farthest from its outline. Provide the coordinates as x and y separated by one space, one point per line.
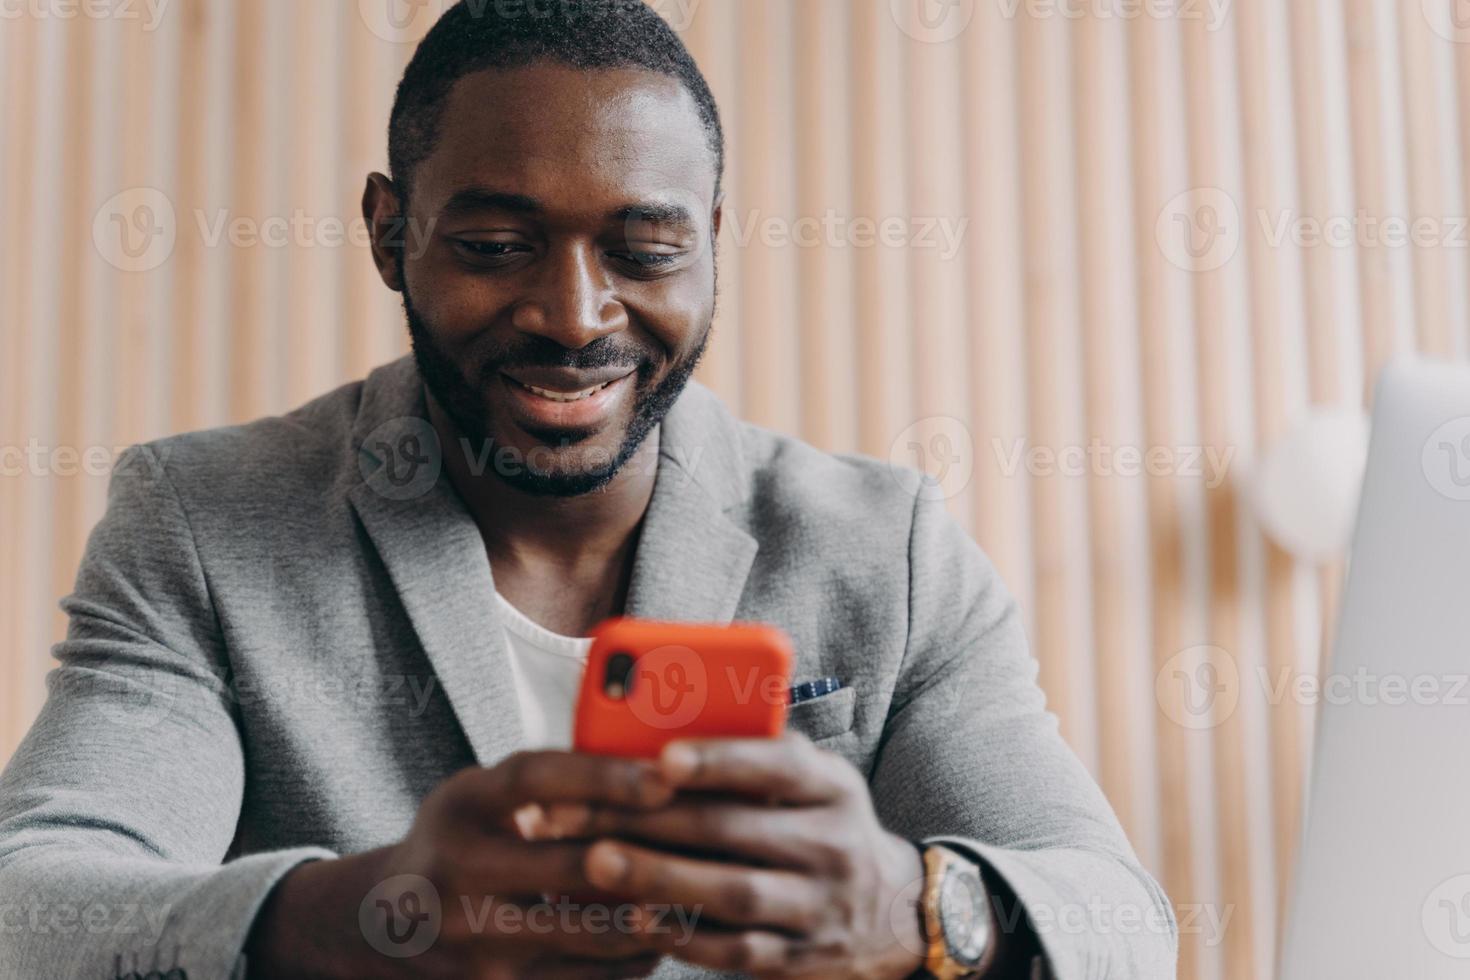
383 211
717 217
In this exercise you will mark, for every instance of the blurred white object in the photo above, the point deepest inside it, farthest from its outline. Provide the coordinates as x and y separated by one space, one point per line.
1306 486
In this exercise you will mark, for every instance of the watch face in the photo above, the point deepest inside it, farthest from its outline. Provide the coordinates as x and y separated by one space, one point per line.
964 915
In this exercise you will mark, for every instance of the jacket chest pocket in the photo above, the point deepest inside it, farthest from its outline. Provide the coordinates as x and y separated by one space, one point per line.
825 716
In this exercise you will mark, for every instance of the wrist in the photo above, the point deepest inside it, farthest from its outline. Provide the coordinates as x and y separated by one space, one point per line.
905 877
307 927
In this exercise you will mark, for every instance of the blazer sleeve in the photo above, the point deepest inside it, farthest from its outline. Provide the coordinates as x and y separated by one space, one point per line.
972 758
118 810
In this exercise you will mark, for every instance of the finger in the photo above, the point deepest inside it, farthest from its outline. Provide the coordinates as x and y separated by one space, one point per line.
789 769
791 838
550 777
559 927
503 866
564 968
730 894
749 951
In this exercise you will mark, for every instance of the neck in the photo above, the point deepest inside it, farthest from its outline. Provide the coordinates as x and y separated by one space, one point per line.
520 527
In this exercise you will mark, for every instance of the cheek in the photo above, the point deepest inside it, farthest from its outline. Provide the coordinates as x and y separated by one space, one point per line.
679 319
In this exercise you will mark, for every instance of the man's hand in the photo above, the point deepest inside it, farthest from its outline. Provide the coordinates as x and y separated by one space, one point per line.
469 850
795 873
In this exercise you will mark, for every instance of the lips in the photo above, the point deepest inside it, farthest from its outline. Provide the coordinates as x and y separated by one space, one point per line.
546 400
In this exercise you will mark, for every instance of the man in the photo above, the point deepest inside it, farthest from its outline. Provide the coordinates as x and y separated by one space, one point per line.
310 718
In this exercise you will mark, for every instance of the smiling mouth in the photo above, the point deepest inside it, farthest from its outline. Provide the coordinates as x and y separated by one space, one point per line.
565 396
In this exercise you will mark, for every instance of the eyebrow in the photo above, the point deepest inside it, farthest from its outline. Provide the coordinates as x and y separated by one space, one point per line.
476 200
657 213
473 200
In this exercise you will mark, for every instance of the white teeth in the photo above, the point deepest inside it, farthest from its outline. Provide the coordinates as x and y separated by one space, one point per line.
566 396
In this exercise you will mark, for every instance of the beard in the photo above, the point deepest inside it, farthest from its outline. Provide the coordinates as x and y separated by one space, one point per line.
463 400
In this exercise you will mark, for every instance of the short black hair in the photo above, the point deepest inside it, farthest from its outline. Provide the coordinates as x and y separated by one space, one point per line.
474 35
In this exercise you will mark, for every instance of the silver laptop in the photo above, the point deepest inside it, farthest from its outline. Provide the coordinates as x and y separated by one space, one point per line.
1382 885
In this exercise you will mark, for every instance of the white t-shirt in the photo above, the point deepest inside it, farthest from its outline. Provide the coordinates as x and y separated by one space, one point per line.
548 672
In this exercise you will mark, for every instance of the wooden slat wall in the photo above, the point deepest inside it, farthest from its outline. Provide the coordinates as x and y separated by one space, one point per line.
1066 316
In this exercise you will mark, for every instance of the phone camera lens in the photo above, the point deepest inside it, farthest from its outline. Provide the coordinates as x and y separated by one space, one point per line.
617 681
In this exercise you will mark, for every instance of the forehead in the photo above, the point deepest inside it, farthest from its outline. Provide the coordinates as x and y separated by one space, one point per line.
563 134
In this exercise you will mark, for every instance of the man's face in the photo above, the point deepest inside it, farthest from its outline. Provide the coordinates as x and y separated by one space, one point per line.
565 286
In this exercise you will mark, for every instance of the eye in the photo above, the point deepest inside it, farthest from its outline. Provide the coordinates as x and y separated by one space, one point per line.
643 261
483 250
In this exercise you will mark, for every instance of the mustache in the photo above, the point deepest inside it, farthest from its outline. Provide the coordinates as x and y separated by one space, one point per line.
542 352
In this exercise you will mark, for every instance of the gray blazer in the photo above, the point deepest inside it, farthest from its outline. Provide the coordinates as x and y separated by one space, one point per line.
281 638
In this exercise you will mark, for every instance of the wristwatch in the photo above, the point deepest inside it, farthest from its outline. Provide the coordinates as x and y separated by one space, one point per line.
956 914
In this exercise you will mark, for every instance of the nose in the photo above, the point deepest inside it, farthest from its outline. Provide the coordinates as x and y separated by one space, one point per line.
571 300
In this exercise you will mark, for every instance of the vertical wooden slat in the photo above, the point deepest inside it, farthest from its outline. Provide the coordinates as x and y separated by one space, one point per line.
1062 641
317 245
823 130
1426 177
1109 318
708 38
1213 320
14 702
996 326
883 294
73 230
1155 181
770 377
1269 316
373 321
1374 275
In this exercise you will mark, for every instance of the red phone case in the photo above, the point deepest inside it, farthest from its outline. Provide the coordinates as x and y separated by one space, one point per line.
686 680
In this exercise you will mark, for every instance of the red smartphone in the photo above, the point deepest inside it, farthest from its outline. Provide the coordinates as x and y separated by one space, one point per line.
647 683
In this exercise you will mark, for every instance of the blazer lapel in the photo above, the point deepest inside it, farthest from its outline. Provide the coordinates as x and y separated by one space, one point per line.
434 554
692 558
